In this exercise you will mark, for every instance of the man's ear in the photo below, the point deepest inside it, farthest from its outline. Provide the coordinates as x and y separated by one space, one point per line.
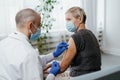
29 25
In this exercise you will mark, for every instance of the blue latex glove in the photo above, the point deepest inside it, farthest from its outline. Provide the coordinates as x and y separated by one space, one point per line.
60 49
55 69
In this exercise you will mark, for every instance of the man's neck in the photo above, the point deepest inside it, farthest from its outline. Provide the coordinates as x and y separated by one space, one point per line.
82 26
23 32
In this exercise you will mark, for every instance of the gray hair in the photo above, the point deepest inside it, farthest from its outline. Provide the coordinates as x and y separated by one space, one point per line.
25 15
77 12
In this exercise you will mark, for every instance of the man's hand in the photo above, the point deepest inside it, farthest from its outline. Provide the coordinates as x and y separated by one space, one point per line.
47 68
60 49
55 69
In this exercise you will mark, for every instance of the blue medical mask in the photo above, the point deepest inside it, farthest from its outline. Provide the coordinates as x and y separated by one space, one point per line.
70 26
35 36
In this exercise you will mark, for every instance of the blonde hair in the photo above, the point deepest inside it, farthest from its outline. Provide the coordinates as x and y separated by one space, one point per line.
77 12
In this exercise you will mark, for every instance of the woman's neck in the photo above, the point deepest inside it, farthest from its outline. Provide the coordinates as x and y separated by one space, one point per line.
82 26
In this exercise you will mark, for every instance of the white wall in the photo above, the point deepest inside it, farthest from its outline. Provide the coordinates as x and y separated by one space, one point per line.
91 11
111 41
100 14
8 9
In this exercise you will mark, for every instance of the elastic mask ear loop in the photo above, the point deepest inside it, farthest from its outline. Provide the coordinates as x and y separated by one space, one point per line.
30 31
34 28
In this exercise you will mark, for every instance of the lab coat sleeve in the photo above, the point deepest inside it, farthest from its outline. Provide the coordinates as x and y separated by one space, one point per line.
46 59
50 77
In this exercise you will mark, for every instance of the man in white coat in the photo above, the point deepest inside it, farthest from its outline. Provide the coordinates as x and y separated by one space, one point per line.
18 59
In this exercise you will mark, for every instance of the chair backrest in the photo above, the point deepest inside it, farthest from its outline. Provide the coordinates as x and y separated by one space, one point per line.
111 73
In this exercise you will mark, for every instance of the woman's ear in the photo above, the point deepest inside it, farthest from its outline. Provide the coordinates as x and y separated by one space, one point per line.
81 19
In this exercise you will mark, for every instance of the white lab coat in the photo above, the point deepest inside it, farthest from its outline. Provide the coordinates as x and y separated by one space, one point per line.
20 61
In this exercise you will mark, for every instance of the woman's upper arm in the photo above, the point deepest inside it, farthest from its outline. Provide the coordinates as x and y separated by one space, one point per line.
68 56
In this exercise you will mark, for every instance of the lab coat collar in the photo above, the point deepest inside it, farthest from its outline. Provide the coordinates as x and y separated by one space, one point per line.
20 36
